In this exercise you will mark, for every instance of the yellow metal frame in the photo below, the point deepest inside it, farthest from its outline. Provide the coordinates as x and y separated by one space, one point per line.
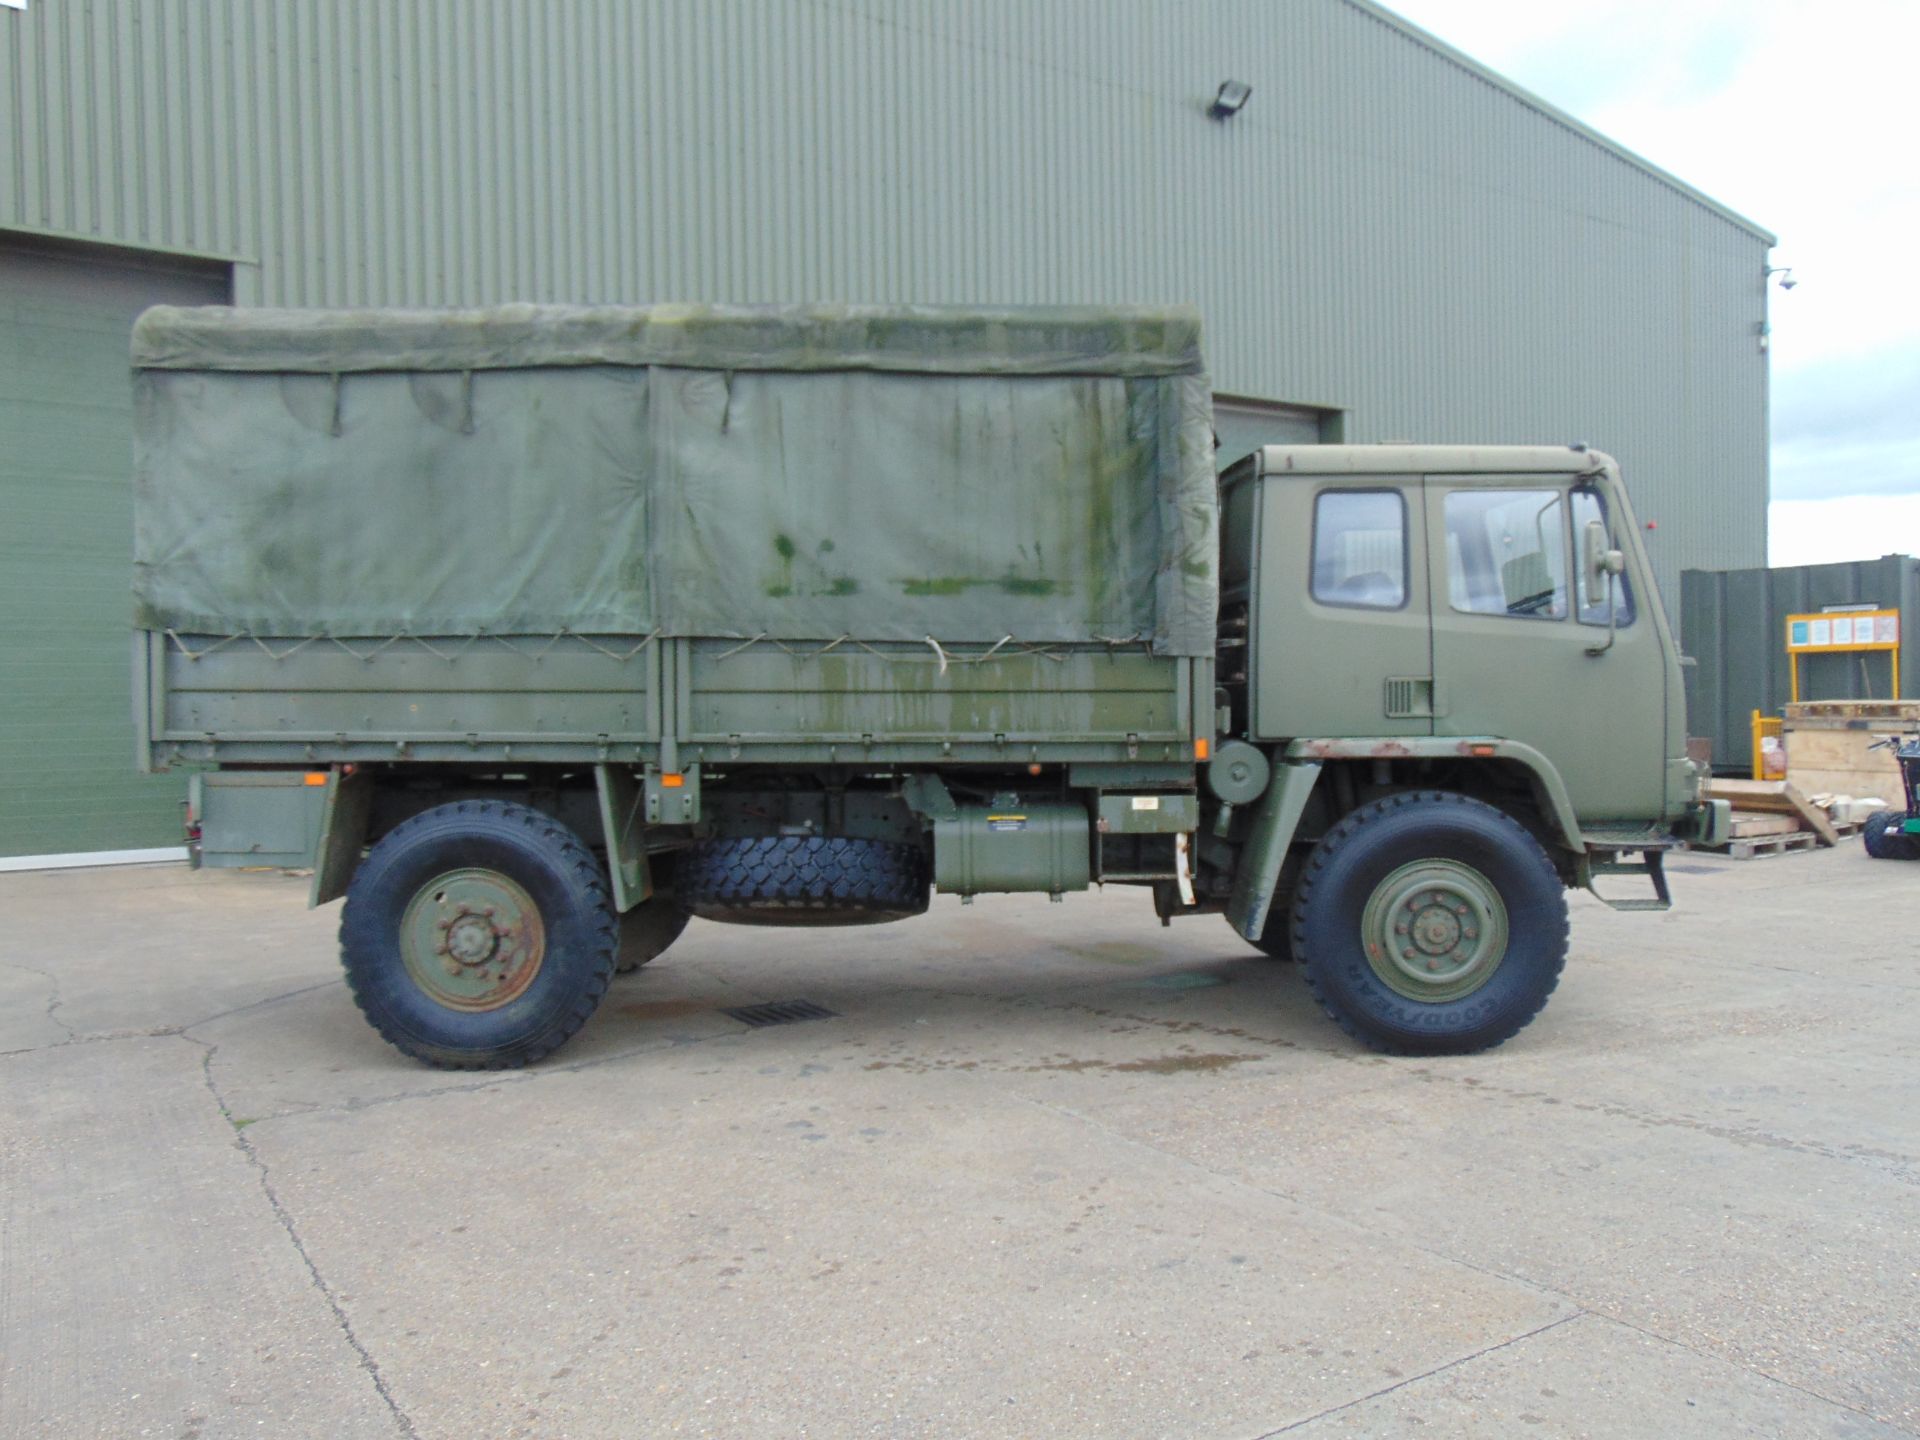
1853 617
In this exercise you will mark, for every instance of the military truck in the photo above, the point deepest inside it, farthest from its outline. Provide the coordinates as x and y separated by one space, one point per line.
585 621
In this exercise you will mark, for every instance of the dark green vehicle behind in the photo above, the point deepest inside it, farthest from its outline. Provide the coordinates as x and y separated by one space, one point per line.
585 622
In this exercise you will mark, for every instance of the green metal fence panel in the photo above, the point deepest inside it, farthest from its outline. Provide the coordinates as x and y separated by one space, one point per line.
1733 623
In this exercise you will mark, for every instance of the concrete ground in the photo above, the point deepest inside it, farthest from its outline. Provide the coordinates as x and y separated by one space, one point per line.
1052 1171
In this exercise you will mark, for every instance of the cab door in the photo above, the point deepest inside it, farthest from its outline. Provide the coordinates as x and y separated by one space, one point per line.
1340 625
1516 628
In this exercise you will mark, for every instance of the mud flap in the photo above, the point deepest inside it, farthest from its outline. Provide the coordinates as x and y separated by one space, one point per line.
1266 848
343 835
621 798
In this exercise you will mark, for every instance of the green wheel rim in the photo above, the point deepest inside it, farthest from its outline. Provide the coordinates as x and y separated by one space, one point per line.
1434 931
472 939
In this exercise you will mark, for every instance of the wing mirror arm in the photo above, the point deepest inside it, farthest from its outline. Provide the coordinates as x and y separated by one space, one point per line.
1603 564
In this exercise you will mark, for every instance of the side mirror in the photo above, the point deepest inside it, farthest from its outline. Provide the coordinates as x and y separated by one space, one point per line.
1602 563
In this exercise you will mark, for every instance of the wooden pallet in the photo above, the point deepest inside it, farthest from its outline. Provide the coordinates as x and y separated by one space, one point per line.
1763 845
1757 846
1747 825
1775 797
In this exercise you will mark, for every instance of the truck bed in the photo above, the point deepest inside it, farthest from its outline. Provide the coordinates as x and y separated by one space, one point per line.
672 534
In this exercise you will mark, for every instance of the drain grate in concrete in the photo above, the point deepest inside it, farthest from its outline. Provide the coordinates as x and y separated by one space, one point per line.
1180 980
780 1012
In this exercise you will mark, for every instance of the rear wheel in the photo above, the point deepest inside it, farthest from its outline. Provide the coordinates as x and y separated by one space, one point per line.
1430 924
478 935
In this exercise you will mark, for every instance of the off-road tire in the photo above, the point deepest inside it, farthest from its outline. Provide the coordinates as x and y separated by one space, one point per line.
1885 840
568 889
647 930
1361 854
802 880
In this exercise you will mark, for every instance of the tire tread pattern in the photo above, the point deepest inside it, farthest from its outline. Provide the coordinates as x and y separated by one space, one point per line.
790 874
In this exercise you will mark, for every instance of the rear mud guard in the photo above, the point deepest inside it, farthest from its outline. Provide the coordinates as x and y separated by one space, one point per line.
343 834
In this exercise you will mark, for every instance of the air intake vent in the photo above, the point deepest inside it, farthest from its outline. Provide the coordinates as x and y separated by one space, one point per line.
1409 697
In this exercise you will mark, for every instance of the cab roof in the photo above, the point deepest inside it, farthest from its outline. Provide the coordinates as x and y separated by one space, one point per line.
1432 460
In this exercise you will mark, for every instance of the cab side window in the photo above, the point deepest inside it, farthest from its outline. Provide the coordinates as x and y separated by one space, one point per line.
1360 549
1587 505
1507 553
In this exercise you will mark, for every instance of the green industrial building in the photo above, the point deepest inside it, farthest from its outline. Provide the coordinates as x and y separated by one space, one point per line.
1388 242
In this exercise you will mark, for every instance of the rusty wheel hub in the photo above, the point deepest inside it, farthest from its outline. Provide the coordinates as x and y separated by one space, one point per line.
1435 930
472 939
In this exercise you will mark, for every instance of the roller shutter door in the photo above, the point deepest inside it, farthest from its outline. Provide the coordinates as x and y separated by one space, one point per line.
1244 425
67 779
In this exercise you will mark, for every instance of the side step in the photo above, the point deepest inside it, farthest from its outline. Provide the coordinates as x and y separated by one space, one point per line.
1652 864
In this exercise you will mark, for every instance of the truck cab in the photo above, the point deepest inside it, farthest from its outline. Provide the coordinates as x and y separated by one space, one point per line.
1426 592
1412 634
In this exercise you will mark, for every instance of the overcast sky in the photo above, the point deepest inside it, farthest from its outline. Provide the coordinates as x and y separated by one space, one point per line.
1802 117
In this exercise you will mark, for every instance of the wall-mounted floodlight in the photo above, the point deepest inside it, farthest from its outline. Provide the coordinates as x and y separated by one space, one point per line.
1785 272
1227 101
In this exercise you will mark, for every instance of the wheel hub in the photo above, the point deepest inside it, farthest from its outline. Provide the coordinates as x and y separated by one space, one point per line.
472 939
1434 930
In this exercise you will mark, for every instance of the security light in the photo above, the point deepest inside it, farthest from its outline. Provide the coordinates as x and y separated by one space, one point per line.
1227 101
1785 272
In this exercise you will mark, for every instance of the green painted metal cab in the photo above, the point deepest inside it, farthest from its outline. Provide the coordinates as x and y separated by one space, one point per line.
1459 593
1473 618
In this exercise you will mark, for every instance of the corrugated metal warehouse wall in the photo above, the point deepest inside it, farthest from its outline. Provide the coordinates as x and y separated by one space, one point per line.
1386 230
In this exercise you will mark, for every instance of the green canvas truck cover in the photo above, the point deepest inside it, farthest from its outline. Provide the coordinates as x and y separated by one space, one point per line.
798 472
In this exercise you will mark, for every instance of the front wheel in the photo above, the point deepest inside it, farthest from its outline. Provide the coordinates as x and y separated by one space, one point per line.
478 935
1430 924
